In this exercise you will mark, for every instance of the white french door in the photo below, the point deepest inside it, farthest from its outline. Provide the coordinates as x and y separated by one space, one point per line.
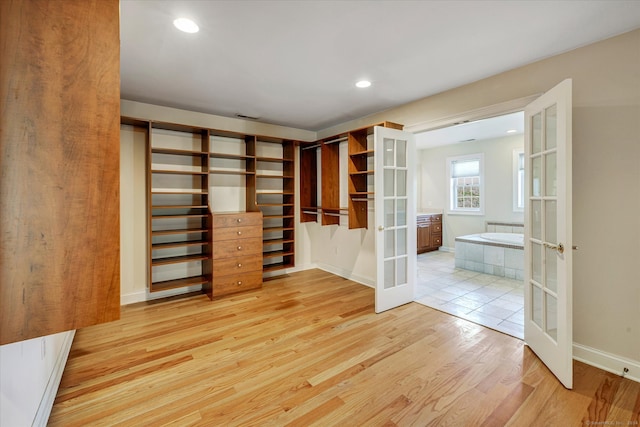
548 239
395 214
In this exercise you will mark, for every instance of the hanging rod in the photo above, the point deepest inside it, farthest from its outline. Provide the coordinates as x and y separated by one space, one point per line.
344 138
310 147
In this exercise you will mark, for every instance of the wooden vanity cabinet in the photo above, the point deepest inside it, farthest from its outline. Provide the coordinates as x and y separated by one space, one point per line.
429 232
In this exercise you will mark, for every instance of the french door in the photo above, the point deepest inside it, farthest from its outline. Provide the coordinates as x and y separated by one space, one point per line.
395 214
548 239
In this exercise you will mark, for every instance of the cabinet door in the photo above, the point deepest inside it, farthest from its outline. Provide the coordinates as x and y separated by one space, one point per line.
424 236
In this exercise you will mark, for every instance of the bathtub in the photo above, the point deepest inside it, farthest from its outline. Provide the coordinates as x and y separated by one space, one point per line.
499 254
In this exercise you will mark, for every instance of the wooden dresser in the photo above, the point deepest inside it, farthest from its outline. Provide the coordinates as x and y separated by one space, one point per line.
429 232
236 252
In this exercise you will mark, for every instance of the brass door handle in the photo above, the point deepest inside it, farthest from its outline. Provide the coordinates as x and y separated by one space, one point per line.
380 228
559 247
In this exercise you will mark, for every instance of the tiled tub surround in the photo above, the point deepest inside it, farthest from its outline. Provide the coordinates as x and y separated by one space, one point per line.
499 254
504 227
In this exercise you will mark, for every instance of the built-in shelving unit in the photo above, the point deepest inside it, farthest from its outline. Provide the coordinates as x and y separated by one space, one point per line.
178 216
275 197
196 173
360 171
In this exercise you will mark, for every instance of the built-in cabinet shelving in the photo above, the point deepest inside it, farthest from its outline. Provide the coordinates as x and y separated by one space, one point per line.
360 171
194 175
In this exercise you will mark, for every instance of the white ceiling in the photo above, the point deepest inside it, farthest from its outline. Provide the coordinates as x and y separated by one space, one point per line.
295 63
477 130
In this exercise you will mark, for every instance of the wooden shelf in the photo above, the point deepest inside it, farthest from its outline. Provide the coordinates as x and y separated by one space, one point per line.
278 266
277 216
160 246
179 259
276 229
230 172
178 152
156 217
362 153
178 283
175 172
273 159
231 156
367 172
179 207
275 176
201 192
179 231
276 254
274 204
267 242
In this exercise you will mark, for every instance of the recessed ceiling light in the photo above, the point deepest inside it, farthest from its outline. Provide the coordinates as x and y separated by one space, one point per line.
363 83
512 131
186 25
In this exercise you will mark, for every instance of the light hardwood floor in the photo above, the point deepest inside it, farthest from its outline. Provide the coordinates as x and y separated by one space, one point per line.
308 349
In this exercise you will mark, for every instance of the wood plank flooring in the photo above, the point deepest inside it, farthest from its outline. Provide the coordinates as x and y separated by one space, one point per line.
307 350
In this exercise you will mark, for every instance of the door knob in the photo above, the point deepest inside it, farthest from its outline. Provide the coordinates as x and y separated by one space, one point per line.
380 227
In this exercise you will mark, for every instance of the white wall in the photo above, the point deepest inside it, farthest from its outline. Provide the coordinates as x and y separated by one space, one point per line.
498 187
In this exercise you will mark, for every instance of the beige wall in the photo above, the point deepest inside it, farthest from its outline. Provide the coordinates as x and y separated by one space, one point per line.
606 177
433 185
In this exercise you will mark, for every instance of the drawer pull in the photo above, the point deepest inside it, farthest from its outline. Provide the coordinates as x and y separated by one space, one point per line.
239 282
239 265
239 233
239 248
239 219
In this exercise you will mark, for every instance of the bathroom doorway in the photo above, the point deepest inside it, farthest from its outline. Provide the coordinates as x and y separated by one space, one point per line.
475 280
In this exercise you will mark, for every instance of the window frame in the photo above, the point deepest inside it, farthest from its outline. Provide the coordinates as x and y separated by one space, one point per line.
518 180
450 192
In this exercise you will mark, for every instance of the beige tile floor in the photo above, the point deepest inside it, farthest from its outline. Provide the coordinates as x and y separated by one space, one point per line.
491 301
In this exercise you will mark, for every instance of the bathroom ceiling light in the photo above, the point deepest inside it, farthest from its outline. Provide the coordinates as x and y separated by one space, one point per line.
512 131
186 25
363 83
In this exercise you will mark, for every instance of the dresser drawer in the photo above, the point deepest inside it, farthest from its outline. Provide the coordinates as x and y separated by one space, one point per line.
237 265
238 248
234 233
236 283
237 219
436 228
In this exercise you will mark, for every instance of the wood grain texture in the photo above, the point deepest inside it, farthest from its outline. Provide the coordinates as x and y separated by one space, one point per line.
59 166
308 350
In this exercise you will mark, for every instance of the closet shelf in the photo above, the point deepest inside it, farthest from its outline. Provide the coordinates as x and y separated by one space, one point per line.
159 246
178 259
197 192
367 172
276 254
179 207
277 266
178 231
230 172
176 172
362 153
178 283
268 242
178 151
273 159
186 216
231 156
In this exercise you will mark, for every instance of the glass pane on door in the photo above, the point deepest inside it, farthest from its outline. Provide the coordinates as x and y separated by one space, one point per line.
401 213
550 175
536 219
551 269
536 172
389 213
402 270
401 176
536 133
550 126
389 151
401 241
401 153
551 216
389 182
389 243
551 316
389 273
536 305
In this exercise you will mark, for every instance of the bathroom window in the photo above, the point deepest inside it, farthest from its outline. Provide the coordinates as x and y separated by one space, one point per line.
466 177
518 180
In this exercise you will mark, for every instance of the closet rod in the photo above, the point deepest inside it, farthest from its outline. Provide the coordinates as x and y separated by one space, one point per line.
310 147
344 138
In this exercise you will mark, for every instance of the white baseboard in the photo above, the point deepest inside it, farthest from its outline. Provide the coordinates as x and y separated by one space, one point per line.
607 361
446 249
46 404
133 297
347 275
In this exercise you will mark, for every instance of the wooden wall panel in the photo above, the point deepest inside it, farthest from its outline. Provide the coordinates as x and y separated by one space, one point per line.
59 166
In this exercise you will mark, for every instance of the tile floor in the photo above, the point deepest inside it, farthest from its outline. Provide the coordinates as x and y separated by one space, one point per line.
492 301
